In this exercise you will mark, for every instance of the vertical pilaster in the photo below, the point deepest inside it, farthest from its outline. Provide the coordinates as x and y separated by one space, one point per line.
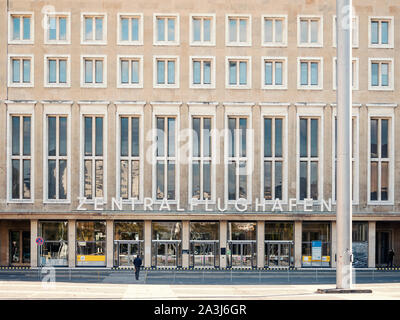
371 244
72 243
260 244
147 244
223 227
185 243
34 246
110 243
297 243
333 244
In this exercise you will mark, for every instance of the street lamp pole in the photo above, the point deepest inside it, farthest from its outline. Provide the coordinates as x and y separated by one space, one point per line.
344 16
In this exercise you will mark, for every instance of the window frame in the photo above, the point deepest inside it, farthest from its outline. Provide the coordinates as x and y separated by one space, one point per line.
93 15
175 85
130 42
269 110
237 43
391 74
209 111
131 58
92 111
57 110
355 60
248 74
93 84
284 84
46 29
20 110
21 84
46 82
212 72
309 60
32 27
157 42
202 16
284 18
241 110
173 111
356 35
390 44
125 109
381 112
320 42
311 111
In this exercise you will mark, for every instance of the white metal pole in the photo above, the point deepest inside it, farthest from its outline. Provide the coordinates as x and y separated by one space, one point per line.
344 16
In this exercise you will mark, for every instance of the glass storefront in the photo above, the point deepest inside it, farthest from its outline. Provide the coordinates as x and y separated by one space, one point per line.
242 244
91 243
316 244
128 242
360 244
279 245
19 247
54 251
204 244
166 244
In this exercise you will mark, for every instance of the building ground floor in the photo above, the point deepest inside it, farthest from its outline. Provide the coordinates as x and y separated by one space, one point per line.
214 243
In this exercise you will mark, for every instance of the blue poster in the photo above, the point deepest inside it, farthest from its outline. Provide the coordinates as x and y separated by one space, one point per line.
316 251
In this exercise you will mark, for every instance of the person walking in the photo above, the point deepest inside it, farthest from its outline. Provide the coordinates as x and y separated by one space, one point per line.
390 258
137 263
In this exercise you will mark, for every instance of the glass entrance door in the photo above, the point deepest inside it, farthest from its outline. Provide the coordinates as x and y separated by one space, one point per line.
166 253
242 253
19 247
204 253
383 245
125 251
278 253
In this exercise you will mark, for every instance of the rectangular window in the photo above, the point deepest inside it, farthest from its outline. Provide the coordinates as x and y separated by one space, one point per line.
237 158
129 159
202 30
310 73
202 72
274 31
21 28
309 31
93 157
166 29
21 71
273 158
57 28
166 72
381 74
57 71
238 30
274 73
238 72
309 158
94 28
21 158
130 29
201 158
380 159
166 158
381 32
130 71
57 157
94 72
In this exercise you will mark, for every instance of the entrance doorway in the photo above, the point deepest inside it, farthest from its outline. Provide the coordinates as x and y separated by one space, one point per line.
204 253
383 245
242 253
166 253
126 251
278 254
19 247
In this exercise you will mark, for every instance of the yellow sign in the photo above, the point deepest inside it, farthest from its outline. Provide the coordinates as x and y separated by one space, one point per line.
91 258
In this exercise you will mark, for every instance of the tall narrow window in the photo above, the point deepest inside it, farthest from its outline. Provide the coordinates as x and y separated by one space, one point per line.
129 160
201 158
237 158
309 158
166 158
57 157
379 159
21 157
273 158
93 157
